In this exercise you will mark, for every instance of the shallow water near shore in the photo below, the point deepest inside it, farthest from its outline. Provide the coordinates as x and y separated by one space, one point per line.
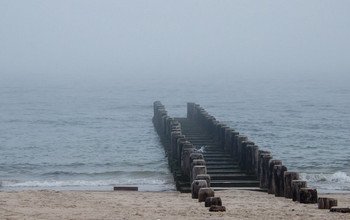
88 134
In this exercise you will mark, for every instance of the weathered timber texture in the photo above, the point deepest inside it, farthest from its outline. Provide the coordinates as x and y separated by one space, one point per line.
196 186
270 181
209 201
296 186
288 178
204 193
278 176
326 203
308 195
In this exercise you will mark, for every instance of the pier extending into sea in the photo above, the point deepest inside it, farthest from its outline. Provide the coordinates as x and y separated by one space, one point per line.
205 153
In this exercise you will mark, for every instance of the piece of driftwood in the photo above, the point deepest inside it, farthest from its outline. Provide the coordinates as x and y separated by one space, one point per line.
326 203
209 201
204 193
342 210
216 208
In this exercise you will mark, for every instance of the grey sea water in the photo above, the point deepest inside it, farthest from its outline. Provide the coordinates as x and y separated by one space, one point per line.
93 134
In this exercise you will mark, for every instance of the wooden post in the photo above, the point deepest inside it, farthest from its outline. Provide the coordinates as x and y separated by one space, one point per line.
204 193
254 166
308 195
234 142
196 185
249 159
198 170
185 160
209 201
261 154
187 145
288 178
205 177
228 139
197 162
326 203
270 177
196 156
278 176
264 168
242 156
190 110
296 186
240 140
179 145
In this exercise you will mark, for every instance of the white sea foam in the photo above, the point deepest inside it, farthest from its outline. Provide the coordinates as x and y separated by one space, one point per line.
144 184
338 181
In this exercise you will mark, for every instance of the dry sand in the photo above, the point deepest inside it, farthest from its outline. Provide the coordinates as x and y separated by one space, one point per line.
240 204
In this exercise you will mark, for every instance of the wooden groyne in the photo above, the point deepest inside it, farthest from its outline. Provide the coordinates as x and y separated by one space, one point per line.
203 152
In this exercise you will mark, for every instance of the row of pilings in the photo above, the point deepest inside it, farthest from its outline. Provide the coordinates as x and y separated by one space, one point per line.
185 162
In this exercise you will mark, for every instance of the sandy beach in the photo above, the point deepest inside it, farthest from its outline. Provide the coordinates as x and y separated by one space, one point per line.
240 204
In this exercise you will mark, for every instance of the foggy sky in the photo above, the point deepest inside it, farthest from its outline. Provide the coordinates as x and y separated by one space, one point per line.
101 38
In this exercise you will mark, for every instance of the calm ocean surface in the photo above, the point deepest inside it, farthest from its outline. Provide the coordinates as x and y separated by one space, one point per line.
93 134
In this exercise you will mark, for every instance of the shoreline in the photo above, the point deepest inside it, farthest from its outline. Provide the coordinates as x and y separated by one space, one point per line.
89 204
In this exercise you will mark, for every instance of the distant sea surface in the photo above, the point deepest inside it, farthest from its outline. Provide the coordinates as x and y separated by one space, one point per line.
94 134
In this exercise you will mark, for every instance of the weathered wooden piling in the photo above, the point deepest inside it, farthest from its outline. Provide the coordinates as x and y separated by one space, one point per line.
205 177
196 185
288 178
270 177
196 170
197 162
296 186
209 201
204 193
278 176
185 160
264 170
326 203
308 195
